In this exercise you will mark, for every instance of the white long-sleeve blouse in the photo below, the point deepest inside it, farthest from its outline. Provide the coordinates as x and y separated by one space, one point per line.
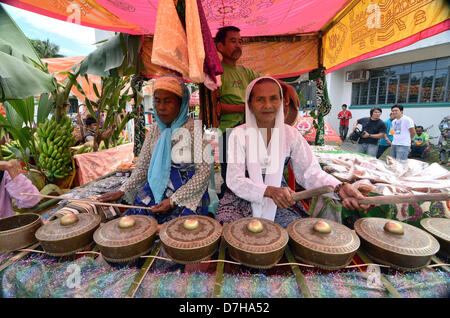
304 163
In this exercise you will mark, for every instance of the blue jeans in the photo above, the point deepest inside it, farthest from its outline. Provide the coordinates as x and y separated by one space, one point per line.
381 150
399 152
418 151
368 149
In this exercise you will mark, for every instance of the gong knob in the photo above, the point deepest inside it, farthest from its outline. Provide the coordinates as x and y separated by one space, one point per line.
127 222
394 228
190 224
255 226
68 219
322 227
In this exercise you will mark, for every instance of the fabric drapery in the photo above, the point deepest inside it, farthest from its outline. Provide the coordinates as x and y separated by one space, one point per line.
196 50
170 43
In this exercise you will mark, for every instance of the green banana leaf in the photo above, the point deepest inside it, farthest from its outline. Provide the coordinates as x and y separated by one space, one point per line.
22 110
19 78
44 109
12 40
116 57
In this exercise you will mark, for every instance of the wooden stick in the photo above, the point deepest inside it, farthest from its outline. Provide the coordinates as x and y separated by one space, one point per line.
219 270
138 279
409 198
301 281
88 201
297 196
18 256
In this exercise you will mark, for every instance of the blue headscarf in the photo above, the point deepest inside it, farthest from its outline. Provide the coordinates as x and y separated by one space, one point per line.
160 164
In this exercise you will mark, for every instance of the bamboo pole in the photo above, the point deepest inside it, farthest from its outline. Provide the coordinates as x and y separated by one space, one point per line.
409 198
383 279
141 275
88 201
17 257
301 281
219 270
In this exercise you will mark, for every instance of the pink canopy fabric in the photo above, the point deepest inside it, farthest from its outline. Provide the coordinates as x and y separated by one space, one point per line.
253 17
347 36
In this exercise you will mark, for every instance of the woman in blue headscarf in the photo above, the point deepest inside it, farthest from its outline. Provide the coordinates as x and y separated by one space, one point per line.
171 174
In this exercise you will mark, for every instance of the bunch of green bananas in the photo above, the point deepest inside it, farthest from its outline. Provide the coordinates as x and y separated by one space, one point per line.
84 149
53 144
89 146
7 154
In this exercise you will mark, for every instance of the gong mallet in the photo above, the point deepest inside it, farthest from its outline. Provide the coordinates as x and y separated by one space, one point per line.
306 194
404 198
87 201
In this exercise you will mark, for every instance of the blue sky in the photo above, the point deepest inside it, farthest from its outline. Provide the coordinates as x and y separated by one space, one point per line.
72 39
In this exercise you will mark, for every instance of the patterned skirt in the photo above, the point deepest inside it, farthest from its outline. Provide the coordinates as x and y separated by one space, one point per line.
178 178
231 207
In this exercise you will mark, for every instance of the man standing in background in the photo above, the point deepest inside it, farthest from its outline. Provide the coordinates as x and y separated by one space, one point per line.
386 140
373 128
344 116
404 132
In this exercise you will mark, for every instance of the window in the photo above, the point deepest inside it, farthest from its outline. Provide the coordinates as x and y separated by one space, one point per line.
427 85
382 90
420 82
363 93
414 87
392 90
403 88
373 91
355 93
439 85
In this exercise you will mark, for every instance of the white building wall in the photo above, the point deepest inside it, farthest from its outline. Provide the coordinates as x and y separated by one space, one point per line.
340 91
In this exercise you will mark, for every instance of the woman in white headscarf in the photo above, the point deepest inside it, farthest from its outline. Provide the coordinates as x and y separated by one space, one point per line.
258 152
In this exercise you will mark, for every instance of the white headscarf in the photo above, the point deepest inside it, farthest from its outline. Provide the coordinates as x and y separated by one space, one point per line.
258 157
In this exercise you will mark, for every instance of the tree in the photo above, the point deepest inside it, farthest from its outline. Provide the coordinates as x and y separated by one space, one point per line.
46 49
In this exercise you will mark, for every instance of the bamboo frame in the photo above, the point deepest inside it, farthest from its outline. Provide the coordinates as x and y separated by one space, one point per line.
383 279
301 281
219 270
141 275
88 201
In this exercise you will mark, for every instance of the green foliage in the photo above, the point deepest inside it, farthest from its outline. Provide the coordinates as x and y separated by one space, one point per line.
46 49
112 99
19 123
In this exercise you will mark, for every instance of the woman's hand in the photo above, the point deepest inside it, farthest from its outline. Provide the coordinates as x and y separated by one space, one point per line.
163 207
281 196
110 196
12 166
350 196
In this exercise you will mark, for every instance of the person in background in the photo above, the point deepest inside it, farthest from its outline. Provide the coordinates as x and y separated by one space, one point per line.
344 117
404 132
12 184
91 126
444 141
386 140
420 144
373 128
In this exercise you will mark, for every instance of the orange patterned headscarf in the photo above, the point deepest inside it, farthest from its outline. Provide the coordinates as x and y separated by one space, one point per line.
169 83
